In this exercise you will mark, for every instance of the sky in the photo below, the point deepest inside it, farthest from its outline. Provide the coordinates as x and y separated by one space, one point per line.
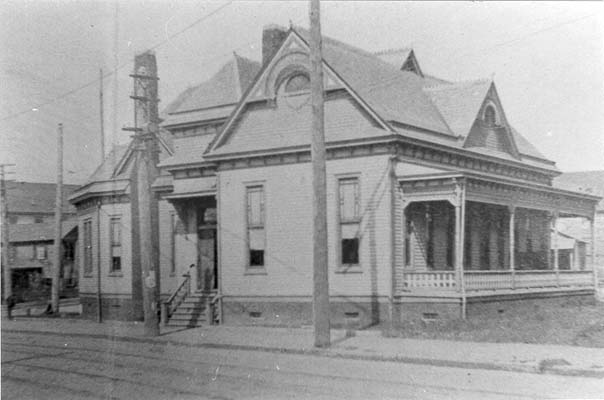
546 58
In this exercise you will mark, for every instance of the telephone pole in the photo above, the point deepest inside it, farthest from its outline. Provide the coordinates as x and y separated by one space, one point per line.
146 131
7 290
56 271
320 269
102 115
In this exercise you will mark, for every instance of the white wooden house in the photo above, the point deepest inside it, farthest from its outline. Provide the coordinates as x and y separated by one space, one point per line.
436 204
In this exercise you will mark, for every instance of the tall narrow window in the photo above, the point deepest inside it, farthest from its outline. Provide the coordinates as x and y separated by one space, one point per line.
41 252
87 247
115 231
350 217
490 116
255 226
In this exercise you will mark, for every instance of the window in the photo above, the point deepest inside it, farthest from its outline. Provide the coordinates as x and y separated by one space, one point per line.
115 230
38 220
297 83
13 219
490 116
255 226
40 252
87 247
349 220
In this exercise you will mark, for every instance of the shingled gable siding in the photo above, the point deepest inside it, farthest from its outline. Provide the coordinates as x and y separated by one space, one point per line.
288 225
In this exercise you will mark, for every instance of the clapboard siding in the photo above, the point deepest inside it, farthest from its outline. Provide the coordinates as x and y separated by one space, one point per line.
288 229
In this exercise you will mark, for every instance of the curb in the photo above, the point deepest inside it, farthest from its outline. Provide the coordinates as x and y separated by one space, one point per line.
540 370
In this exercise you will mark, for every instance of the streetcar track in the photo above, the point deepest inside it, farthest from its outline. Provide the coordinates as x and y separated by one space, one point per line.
57 387
270 369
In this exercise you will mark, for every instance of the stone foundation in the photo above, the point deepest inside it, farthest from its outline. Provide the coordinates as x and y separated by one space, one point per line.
360 314
112 308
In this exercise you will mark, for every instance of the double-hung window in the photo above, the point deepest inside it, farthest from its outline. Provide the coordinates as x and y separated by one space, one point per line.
255 226
350 218
87 248
115 230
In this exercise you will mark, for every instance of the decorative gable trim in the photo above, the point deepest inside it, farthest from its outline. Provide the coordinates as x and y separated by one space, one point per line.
258 90
492 100
412 65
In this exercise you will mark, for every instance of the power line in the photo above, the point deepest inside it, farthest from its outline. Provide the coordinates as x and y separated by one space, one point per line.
108 74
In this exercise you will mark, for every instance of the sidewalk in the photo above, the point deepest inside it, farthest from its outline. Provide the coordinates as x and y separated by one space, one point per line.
367 345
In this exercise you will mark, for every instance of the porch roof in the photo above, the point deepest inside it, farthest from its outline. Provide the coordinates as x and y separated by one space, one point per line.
502 191
193 187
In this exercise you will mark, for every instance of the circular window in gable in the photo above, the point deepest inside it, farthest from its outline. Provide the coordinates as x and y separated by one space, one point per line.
297 83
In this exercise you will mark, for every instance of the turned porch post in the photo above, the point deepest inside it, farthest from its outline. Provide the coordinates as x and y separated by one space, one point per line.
593 252
511 225
556 258
460 210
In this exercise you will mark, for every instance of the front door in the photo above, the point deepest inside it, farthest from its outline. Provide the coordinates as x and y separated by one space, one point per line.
206 264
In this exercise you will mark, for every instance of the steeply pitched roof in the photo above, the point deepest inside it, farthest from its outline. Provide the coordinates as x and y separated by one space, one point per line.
35 197
188 150
459 103
583 181
225 87
39 232
395 95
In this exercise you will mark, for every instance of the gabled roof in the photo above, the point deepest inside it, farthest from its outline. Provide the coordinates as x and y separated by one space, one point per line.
459 103
35 197
188 150
583 181
225 87
394 94
39 232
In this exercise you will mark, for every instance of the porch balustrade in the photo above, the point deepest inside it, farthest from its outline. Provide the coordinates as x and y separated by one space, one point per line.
497 280
435 279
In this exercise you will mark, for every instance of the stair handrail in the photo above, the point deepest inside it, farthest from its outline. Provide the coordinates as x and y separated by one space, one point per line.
177 297
216 298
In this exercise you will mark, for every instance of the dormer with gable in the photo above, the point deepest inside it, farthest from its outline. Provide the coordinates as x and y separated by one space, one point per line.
490 129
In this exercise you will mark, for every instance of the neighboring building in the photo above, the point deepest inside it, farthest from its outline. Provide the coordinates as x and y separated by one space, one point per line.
436 204
591 182
571 252
31 215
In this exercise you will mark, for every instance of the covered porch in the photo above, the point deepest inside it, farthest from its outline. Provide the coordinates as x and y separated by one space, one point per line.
465 236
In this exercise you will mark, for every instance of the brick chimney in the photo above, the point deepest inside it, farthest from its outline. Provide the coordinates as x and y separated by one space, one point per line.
272 38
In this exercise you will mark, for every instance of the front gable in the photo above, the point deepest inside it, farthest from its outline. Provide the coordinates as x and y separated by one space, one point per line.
275 111
491 129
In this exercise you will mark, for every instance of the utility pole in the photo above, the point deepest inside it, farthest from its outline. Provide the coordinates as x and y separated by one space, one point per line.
56 270
146 131
320 269
102 115
7 290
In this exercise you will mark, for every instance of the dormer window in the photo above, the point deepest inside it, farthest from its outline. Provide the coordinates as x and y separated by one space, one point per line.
297 83
490 116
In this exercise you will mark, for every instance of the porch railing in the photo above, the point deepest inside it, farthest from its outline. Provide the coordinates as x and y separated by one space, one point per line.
496 280
177 297
431 279
535 279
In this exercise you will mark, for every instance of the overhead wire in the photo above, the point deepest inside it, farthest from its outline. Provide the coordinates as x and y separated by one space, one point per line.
114 71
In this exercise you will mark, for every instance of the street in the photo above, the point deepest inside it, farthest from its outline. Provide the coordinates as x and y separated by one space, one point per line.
35 366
